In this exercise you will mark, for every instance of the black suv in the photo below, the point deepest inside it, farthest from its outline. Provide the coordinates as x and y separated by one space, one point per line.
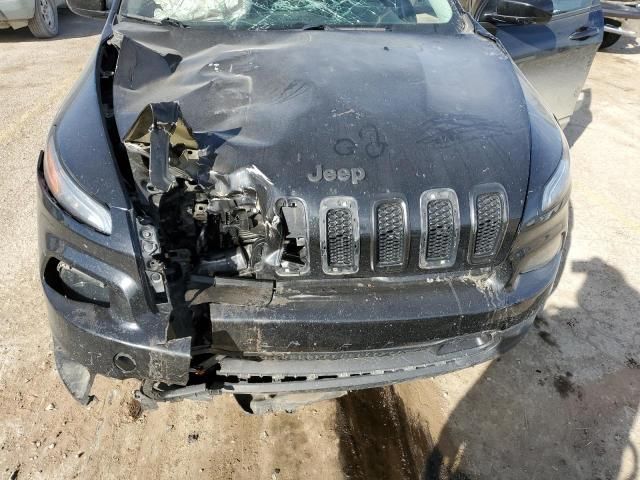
287 200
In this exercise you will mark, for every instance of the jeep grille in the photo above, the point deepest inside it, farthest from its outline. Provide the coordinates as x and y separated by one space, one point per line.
339 235
339 238
490 211
440 228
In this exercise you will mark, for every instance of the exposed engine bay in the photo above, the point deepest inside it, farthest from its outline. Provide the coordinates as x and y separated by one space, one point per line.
220 240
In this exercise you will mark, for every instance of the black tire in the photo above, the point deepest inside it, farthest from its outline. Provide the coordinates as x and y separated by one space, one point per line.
608 40
44 23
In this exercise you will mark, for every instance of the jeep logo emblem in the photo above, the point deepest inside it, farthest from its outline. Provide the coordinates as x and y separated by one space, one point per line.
356 175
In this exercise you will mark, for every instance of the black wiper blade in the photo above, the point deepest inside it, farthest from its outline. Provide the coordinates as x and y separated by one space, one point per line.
172 22
318 26
372 28
163 21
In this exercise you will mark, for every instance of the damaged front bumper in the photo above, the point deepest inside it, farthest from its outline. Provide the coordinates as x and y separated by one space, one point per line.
88 341
99 312
415 330
316 337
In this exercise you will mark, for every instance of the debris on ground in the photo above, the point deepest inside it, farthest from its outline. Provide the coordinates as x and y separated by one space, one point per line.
134 409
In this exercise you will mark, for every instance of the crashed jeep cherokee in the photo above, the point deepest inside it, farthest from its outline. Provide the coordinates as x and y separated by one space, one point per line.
285 202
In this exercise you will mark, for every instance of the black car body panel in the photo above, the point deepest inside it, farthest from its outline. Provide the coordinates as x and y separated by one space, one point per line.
255 123
555 56
317 319
425 127
80 122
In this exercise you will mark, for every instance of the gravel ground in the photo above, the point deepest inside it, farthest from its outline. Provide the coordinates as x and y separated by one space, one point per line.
563 404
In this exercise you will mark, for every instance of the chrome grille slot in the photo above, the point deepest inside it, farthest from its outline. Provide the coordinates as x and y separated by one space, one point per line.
440 230
339 235
295 245
489 219
489 208
440 219
339 238
390 238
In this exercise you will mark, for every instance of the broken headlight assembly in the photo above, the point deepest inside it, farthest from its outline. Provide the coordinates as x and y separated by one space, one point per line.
70 195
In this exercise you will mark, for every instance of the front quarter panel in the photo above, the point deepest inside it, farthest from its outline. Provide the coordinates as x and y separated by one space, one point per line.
546 148
83 143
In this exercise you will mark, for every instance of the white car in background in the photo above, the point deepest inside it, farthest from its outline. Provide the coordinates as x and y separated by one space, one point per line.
41 16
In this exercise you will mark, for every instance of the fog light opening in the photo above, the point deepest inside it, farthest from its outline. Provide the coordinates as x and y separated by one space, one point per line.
75 284
124 362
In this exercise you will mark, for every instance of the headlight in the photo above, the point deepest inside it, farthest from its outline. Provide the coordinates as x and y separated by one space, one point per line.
69 194
543 255
560 182
543 232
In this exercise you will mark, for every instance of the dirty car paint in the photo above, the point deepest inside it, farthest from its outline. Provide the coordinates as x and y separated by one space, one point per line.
288 101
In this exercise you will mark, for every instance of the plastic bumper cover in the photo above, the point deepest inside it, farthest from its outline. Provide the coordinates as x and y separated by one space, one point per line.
123 339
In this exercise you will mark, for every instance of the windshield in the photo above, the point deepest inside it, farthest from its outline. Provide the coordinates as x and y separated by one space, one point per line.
290 14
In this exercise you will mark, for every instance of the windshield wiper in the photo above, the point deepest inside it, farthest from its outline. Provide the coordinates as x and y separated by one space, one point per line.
318 26
172 22
321 26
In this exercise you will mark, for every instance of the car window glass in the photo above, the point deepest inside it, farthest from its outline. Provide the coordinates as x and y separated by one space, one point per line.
432 11
282 14
562 6
559 6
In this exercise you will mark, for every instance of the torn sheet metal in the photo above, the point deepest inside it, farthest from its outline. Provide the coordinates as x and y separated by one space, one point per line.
229 291
160 126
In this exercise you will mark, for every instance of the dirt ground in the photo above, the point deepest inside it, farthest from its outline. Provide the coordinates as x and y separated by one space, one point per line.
563 404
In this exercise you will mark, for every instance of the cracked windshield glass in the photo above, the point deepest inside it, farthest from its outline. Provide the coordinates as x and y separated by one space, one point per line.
290 14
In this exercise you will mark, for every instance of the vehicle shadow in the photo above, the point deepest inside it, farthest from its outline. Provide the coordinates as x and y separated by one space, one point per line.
71 26
580 119
559 405
626 46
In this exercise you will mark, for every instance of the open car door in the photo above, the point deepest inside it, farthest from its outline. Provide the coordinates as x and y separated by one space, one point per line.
553 42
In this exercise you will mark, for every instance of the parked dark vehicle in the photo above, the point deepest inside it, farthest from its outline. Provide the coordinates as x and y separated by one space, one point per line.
289 200
616 15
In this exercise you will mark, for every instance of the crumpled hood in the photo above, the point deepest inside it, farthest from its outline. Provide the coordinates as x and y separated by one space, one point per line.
413 111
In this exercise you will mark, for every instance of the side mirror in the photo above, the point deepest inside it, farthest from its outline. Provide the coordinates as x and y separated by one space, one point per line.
520 12
89 8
